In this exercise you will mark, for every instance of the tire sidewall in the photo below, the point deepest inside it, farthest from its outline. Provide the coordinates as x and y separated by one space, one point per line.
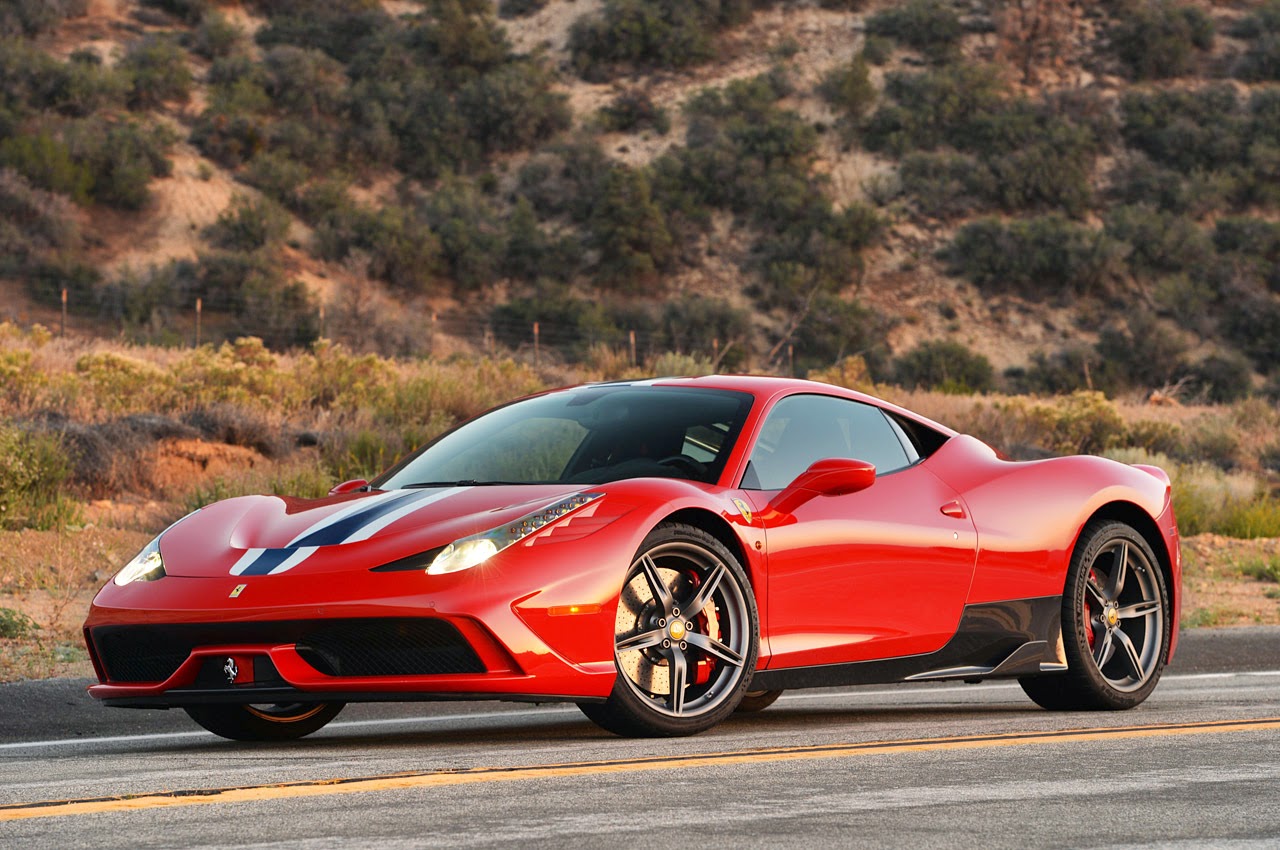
638 717
1076 641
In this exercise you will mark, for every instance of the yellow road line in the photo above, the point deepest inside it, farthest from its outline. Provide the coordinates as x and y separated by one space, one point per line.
443 778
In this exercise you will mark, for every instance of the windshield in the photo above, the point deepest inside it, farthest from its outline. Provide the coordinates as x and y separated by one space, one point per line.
587 435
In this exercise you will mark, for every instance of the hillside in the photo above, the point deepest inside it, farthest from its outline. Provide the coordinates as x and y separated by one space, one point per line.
1036 196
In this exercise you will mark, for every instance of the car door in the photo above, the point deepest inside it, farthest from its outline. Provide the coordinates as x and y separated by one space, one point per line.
879 573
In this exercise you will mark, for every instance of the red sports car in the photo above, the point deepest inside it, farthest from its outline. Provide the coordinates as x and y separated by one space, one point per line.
661 553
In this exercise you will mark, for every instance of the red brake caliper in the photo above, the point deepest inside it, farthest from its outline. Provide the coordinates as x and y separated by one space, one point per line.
1088 608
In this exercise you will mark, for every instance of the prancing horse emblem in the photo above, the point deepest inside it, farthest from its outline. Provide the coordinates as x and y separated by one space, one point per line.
231 670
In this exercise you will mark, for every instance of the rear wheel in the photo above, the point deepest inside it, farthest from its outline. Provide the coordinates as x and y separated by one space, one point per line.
1115 624
685 637
276 722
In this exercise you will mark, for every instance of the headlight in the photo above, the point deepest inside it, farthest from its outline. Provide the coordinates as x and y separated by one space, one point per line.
145 566
475 550
462 555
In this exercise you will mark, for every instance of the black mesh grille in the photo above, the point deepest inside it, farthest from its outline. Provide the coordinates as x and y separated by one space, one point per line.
389 648
374 647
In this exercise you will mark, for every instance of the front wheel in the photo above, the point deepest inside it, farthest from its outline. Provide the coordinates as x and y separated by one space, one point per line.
279 722
1115 624
685 638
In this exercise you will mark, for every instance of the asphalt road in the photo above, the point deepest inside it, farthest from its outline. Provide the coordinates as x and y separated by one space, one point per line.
1198 765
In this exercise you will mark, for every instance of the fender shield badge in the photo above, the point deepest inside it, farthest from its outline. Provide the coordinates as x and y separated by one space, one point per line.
239 589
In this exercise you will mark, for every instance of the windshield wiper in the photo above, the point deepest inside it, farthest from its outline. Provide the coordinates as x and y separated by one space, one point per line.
465 482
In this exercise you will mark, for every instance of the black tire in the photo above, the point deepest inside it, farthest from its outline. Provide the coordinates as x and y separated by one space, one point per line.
1115 624
753 701
264 722
712 651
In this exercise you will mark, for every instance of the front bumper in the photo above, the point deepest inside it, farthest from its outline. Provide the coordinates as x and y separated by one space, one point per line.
513 628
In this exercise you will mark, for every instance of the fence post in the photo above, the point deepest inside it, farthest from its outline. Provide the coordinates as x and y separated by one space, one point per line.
199 312
536 352
791 360
632 335
64 312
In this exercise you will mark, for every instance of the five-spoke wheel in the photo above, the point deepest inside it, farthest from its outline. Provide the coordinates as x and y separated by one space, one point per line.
1115 624
685 637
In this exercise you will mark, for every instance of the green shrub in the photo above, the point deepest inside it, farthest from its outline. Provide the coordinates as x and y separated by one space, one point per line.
33 471
930 26
1044 256
158 67
395 245
15 624
187 10
1254 324
1221 379
469 230
519 8
1059 373
849 89
629 232
217 36
696 323
248 224
633 110
1144 354
877 49
946 185
35 226
32 17
1160 242
1156 39
944 365
46 162
1261 60
640 34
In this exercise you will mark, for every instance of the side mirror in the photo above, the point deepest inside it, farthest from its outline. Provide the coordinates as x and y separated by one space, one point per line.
352 486
833 476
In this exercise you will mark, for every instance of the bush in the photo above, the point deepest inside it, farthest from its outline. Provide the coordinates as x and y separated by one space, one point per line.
186 10
1261 61
469 230
944 365
33 470
930 26
849 90
1160 242
629 232
395 246
1157 39
519 8
35 226
946 185
694 324
1221 379
640 34
158 67
1045 256
632 111
1146 354
32 17
248 224
217 36
46 162
123 157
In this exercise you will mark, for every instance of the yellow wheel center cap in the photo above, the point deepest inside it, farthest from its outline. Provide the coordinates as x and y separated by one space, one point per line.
1113 616
676 629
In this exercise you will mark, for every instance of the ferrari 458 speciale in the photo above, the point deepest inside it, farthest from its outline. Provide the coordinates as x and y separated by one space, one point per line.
662 553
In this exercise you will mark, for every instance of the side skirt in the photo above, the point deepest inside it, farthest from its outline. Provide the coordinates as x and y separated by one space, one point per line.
994 640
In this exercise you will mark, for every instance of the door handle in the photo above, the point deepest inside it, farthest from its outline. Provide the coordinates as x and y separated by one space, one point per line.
954 510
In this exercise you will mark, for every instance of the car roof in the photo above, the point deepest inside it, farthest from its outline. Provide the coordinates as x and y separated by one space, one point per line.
767 387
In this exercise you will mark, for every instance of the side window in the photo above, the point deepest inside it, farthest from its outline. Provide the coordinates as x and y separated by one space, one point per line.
804 428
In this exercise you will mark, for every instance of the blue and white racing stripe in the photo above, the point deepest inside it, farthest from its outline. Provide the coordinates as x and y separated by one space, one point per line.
358 521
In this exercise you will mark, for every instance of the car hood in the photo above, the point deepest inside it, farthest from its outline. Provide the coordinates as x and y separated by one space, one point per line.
269 535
